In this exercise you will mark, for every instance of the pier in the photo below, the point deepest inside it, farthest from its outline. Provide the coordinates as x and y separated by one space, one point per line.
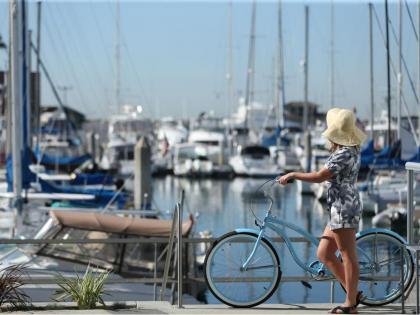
167 308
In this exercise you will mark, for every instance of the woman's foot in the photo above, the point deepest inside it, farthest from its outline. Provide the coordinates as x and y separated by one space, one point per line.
344 310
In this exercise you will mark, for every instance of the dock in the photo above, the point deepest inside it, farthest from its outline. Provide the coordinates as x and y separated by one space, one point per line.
203 309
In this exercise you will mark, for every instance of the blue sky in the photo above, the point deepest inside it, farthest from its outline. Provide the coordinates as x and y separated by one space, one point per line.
173 53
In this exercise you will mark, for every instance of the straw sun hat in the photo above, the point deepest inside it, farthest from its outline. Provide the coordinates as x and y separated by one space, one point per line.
342 129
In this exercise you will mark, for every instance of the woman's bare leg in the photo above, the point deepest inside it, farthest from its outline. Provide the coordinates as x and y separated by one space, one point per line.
346 242
326 254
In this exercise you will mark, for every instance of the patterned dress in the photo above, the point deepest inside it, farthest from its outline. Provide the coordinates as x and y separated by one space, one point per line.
343 201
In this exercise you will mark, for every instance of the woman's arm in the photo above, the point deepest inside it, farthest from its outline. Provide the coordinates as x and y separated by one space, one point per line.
314 177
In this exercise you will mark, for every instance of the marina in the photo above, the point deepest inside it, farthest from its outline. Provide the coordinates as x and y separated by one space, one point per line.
123 196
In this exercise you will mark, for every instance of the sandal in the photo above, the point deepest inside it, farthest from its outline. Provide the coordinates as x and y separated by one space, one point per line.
359 298
344 310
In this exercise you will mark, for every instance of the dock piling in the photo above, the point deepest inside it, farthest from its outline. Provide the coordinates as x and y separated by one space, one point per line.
142 175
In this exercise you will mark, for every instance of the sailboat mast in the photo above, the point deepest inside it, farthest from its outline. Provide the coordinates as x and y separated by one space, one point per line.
399 77
388 71
117 57
276 107
332 82
282 84
372 100
418 63
305 70
16 78
229 73
280 96
37 112
249 98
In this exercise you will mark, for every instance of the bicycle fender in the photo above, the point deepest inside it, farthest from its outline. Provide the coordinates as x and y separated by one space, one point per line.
256 233
385 231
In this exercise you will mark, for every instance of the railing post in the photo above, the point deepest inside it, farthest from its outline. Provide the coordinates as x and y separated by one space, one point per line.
155 275
168 254
402 279
410 204
179 252
417 283
332 289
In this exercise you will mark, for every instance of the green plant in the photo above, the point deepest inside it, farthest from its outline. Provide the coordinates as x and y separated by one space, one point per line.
86 291
11 280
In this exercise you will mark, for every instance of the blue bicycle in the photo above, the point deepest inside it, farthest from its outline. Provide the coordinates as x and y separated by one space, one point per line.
242 267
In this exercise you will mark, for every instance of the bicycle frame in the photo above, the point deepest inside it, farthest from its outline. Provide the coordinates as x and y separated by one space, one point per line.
274 224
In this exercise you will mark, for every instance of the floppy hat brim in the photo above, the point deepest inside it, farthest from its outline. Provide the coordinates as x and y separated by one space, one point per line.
355 137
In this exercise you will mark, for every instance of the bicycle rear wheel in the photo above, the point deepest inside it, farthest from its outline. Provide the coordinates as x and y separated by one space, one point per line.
380 267
233 285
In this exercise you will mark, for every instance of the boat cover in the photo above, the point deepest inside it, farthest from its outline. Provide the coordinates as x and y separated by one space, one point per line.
111 223
62 160
102 196
368 149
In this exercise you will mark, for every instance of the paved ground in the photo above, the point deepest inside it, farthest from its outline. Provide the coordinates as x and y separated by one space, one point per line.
166 308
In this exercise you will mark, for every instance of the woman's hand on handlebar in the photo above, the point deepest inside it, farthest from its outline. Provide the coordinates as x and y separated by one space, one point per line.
285 179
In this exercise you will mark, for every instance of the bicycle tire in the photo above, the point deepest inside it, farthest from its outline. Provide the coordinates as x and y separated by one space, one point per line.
408 258
209 260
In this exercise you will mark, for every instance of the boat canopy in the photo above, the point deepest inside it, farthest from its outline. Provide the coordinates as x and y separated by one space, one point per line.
110 223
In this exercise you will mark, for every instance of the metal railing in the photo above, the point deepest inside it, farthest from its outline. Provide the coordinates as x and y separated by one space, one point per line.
411 167
175 279
144 240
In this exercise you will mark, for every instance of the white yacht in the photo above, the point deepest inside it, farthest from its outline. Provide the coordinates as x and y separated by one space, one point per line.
130 125
214 141
254 160
285 157
385 189
192 160
171 132
124 131
204 154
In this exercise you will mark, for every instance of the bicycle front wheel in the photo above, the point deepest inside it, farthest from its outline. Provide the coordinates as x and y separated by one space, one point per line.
380 267
233 285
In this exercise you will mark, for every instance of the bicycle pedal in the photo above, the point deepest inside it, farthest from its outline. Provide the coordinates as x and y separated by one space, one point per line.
306 284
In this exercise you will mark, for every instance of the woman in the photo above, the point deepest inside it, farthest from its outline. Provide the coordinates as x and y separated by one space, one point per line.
343 202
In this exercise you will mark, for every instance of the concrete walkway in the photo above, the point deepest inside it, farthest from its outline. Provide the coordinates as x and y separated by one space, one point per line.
166 308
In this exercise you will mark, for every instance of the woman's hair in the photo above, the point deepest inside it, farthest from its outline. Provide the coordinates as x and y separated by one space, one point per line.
332 146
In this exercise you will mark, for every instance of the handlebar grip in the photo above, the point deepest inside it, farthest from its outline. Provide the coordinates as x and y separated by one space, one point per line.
290 181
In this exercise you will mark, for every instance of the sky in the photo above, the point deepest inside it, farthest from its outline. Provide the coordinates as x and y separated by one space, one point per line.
174 54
